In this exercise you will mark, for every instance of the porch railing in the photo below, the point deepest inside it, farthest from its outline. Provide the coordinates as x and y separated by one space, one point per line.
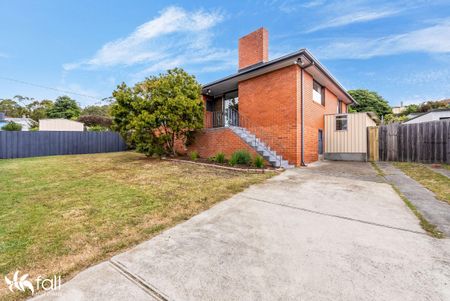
231 117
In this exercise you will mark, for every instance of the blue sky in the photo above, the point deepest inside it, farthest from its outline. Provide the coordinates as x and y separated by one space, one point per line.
400 49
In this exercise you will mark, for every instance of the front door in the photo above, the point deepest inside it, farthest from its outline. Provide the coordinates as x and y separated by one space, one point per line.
320 142
230 109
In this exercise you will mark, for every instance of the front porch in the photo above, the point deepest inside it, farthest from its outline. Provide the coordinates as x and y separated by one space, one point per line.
222 112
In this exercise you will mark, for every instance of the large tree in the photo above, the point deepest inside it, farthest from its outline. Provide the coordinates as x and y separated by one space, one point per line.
64 107
96 111
369 101
39 109
153 114
11 108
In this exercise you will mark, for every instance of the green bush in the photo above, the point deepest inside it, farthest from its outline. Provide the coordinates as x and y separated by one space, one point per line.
194 155
220 157
258 161
241 157
97 128
12 126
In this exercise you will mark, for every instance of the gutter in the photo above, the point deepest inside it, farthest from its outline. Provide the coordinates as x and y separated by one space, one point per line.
317 64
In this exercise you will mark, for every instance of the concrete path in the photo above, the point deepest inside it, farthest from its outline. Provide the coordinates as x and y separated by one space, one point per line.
332 231
441 170
434 210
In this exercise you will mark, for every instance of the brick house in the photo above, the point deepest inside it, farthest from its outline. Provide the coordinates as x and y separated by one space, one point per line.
275 108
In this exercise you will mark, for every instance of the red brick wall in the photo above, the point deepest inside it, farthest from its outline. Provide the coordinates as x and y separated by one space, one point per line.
314 117
268 106
254 48
209 142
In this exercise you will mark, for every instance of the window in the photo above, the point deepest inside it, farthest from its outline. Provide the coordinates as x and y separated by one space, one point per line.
339 107
318 93
341 123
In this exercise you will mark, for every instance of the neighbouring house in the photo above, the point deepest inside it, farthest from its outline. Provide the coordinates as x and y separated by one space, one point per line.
60 125
346 135
433 115
275 108
398 109
26 123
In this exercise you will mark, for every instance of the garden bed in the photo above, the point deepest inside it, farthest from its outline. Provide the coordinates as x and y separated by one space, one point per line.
225 165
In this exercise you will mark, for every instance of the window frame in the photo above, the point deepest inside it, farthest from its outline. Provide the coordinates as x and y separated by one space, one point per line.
339 108
322 93
341 118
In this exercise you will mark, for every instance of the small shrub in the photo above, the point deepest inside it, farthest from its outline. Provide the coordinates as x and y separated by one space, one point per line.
241 157
194 155
97 128
94 120
12 126
258 161
220 158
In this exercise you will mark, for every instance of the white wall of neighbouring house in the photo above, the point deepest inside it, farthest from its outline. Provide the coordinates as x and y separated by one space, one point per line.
60 125
430 116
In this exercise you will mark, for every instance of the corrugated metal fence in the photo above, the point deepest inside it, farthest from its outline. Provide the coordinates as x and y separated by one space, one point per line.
427 142
35 144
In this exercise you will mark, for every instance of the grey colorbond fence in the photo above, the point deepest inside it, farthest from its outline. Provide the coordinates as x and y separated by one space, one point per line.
35 144
427 142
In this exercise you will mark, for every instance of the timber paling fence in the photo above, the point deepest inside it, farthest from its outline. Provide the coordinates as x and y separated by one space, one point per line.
427 142
35 144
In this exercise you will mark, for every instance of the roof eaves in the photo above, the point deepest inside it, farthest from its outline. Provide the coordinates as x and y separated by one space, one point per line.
255 67
302 51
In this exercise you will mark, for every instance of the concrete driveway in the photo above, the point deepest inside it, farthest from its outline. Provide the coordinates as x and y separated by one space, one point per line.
333 231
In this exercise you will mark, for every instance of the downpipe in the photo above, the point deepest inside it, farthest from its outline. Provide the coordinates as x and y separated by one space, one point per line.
302 100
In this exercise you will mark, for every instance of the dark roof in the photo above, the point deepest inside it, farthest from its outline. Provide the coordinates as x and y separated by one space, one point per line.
294 55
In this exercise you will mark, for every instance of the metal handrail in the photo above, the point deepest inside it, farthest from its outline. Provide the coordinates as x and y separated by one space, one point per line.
233 117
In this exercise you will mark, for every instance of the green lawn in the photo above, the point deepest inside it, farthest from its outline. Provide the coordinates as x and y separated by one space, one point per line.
62 214
437 183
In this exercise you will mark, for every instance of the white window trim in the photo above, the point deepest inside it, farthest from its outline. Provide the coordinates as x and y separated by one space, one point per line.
346 123
316 95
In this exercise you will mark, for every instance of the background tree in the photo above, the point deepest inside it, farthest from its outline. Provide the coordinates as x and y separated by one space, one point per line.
11 108
64 107
157 111
433 105
369 101
39 109
97 111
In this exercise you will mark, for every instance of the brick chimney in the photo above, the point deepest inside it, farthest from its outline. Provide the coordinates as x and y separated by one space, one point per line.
254 48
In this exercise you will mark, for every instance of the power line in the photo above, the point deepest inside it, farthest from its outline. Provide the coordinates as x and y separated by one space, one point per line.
51 88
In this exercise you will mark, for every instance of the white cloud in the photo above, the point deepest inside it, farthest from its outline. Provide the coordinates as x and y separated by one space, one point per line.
433 39
354 17
314 3
292 6
173 38
338 13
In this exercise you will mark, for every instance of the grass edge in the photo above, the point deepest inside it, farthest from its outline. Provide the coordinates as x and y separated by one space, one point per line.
424 223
